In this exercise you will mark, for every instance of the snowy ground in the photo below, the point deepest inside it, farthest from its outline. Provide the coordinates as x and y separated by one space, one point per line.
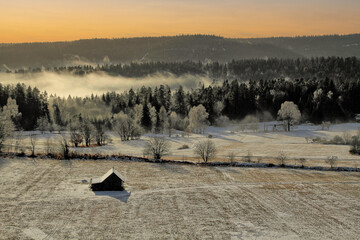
262 145
50 199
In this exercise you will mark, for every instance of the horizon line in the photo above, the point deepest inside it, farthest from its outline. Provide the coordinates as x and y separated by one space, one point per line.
180 35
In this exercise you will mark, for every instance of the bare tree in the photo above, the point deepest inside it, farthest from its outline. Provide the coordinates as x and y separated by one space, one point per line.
289 113
248 157
332 160
48 146
76 136
302 161
19 137
157 147
282 158
64 147
231 156
33 142
206 150
87 130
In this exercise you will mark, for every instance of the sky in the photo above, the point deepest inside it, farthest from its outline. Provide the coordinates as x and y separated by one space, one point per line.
64 20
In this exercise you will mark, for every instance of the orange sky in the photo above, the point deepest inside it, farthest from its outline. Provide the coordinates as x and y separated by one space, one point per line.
55 20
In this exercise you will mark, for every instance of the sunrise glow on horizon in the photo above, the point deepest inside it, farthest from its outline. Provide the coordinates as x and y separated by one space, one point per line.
44 21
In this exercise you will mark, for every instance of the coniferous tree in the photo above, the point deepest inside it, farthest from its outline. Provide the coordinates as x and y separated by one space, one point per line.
146 118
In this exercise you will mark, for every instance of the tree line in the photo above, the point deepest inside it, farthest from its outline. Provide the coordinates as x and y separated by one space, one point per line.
336 68
318 100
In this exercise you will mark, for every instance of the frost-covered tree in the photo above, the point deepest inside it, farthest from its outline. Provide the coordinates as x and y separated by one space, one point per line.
7 116
289 113
163 119
198 119
138 113
153 117
6 128
11 109
170 124
43 124
126 127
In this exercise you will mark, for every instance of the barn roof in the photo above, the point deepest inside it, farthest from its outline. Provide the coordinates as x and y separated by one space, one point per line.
106 175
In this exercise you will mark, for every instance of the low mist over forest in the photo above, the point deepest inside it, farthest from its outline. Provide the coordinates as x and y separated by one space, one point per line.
83 80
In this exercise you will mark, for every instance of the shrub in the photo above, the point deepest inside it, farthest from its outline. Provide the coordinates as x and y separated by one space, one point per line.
325 125
355 144
185 146
337 140
347 138
222 121
317 140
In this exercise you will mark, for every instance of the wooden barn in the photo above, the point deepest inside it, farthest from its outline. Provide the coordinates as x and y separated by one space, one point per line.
110 181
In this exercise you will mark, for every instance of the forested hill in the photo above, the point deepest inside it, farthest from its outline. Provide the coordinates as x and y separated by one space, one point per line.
204 48
314 46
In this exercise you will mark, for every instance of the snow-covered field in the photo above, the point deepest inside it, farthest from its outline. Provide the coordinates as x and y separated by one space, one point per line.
50 199
262 145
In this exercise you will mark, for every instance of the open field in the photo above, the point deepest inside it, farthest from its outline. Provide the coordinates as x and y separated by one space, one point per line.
262 145
49 199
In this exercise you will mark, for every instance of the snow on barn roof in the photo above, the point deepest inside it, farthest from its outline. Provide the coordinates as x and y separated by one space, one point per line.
106 175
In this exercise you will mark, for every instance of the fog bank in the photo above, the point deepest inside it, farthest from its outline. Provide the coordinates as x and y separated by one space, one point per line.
65 84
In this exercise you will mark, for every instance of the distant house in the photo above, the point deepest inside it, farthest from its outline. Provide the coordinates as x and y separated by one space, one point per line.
357 117
110 181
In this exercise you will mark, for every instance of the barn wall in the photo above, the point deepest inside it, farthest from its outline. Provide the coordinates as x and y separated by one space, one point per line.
112 183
